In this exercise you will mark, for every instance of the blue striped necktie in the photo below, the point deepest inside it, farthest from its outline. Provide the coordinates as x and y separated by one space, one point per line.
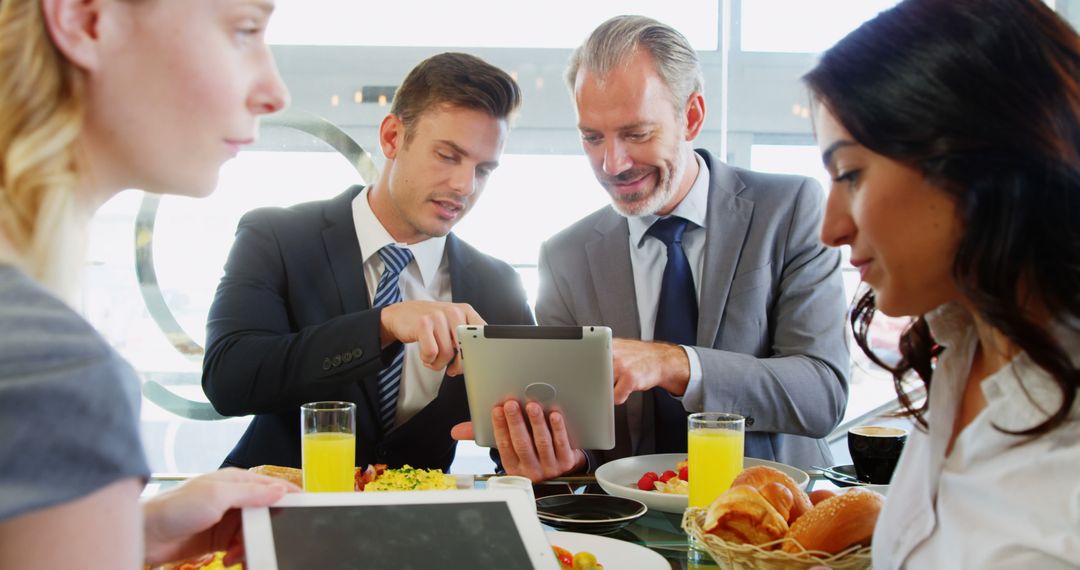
387 293
676 322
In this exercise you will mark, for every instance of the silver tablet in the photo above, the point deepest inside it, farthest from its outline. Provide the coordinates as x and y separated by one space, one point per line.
409 529
563 368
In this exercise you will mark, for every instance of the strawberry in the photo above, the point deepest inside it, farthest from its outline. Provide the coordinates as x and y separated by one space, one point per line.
646 481
684 473
667 475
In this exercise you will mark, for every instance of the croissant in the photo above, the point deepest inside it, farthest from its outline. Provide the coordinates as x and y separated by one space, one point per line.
741 514
761 475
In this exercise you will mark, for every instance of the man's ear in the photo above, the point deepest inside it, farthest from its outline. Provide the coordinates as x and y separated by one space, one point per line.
73 26
391 135
695 115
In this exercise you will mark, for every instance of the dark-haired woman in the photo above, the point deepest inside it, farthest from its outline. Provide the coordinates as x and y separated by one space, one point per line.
951 129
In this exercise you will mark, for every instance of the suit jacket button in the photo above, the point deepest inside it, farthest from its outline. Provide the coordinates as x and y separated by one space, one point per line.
346 356
326 364
357 353
337 360
749 421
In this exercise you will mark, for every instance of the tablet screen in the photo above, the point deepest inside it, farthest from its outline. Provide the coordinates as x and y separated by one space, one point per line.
452 535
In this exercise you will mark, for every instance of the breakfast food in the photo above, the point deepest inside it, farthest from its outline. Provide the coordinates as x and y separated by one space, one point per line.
741 514
409 479
290 474
761 513
672 482
374 477
581 561
761 475
364 476
818 495
838 523
213 561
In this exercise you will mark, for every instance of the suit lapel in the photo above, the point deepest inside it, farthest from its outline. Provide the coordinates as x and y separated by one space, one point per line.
343 251
728 222
613 277
347 265
463 284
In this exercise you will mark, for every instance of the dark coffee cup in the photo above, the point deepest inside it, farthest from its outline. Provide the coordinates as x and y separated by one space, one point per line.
875 451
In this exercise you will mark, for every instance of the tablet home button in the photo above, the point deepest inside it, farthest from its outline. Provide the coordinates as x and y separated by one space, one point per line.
540 392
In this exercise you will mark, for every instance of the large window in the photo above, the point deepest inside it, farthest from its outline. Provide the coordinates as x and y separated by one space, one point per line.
329 51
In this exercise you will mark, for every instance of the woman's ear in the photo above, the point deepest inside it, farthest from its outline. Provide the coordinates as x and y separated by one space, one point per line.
73 26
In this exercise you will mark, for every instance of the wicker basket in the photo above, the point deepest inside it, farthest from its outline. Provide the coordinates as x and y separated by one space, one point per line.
733 556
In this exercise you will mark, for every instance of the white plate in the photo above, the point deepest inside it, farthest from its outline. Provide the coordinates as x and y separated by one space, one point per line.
612 553
620 478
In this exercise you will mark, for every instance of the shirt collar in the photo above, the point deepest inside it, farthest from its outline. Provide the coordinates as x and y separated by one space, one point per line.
371 234
1020 395
692 207
950 324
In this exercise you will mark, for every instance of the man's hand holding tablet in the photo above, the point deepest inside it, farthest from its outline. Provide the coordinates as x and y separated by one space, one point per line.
529 444
547 390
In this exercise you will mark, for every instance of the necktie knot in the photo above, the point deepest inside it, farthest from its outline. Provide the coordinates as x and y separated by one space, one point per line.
669 230
395 258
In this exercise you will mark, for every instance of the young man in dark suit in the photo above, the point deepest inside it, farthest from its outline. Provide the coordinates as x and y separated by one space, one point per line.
357 298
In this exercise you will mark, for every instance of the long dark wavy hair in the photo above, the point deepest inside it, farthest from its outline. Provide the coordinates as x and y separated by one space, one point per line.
983 96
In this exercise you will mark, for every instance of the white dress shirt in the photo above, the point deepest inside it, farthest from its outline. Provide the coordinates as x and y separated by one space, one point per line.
648 257
997 500
425 278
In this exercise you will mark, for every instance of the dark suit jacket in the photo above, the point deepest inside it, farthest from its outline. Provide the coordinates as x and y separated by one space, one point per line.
771 327
291 323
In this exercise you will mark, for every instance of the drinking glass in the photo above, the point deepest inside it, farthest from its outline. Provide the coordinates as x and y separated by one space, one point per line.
715 454
328 447
516 482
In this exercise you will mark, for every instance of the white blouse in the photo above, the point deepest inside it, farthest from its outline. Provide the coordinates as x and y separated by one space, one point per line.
998 500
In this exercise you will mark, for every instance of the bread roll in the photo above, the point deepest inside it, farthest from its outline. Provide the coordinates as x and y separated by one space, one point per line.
761 475
742 515
838 523
779 497
290 474
818 495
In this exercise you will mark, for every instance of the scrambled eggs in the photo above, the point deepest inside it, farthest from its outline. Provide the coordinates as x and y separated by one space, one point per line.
410 479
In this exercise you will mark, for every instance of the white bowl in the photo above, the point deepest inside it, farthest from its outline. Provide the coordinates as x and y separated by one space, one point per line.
620 478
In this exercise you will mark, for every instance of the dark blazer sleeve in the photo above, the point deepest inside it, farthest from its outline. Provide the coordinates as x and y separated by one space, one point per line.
277 333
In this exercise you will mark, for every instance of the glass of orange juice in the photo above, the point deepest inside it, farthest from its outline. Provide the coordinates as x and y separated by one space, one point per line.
328 446
715 454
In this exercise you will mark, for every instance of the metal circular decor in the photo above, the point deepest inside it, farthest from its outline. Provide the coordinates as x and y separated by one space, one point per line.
149 288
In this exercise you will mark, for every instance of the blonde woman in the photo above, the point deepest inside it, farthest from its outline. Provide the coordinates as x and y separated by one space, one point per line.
97 96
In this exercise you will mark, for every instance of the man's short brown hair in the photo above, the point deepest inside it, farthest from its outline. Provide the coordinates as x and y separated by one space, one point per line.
455 79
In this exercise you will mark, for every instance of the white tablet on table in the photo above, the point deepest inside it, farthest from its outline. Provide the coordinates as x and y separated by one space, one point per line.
563 368
409 529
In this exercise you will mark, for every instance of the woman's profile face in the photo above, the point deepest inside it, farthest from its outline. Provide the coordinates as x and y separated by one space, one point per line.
177 92
902 230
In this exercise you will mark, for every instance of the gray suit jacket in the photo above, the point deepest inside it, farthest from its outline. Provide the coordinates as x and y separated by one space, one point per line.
771 327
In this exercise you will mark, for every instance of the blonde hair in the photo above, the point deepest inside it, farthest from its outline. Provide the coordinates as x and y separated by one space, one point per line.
41 116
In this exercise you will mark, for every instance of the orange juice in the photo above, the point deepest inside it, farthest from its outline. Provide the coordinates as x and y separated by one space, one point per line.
329 459
716 457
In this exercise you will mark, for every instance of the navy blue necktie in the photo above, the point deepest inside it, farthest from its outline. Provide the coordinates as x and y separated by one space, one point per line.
388 292
676 322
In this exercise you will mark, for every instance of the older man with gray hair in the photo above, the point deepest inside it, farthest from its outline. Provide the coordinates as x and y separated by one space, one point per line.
711 277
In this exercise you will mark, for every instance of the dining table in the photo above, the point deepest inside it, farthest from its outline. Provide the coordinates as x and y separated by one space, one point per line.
656 530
